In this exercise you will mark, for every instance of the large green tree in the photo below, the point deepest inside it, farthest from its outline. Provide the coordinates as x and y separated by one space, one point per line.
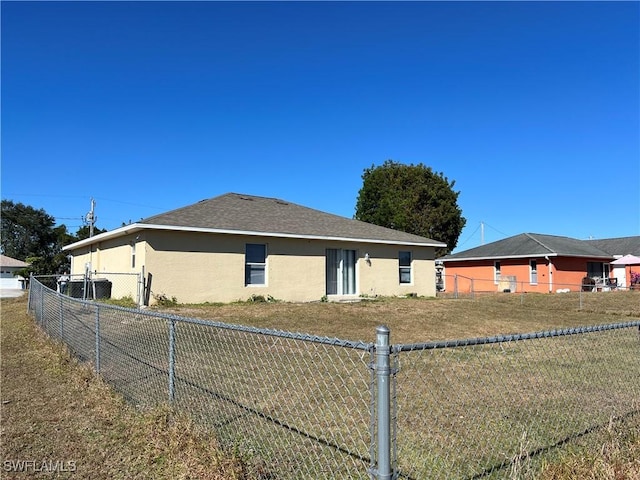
413 199
30 234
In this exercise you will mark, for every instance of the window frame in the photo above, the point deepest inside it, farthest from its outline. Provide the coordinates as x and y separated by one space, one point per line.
133 254
533 272
496 272
255 266
405 268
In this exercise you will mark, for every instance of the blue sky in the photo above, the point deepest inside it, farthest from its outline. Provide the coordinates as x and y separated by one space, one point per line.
532 108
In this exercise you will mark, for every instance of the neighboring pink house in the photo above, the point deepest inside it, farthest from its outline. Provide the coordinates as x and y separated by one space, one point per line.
534 262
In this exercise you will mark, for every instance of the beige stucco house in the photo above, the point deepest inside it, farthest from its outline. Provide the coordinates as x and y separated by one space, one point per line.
235 246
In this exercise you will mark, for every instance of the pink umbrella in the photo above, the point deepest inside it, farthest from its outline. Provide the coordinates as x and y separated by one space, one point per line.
627 260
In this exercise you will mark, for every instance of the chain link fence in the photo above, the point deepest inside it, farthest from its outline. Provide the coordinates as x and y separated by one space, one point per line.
296 406
462 286
492 407
587 296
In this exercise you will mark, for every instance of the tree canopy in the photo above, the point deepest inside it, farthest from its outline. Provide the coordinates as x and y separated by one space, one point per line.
413 199
31 235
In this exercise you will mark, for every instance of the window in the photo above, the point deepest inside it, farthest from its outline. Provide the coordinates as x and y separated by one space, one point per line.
533 272
133 255
496 272
255 264
404 261
598 270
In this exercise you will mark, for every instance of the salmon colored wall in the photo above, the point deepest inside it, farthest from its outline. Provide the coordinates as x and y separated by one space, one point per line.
572 271
482 273
567 272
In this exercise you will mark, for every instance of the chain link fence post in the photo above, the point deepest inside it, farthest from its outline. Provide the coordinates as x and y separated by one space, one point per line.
383 375
41 317
98 339
455 286
172 359
29 285
61 318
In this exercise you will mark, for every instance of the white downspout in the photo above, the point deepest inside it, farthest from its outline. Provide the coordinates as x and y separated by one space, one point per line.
550 267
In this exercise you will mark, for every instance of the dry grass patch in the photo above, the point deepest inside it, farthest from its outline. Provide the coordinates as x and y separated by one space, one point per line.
617 459
414 320
54 409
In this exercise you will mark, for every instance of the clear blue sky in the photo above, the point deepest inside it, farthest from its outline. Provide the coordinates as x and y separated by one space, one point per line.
533 109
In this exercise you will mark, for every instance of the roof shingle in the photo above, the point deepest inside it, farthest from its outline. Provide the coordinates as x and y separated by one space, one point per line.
531 245
252 214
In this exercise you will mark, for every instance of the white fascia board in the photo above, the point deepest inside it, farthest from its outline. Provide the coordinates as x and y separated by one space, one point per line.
140 226
532 255
118 232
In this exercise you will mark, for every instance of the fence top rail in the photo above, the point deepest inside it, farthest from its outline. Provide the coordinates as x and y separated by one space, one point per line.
512 337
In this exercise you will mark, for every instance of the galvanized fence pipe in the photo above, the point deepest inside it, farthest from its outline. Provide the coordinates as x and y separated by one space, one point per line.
172 359
41 317
61 318
97 339
383 375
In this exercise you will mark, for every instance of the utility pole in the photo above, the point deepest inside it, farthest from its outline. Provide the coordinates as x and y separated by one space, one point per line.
481 233
91 218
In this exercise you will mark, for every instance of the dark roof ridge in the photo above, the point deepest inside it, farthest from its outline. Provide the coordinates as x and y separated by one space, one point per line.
532 237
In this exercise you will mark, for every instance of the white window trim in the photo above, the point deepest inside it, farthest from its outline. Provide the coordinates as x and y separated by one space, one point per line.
410 267
497 271
531 270
266 256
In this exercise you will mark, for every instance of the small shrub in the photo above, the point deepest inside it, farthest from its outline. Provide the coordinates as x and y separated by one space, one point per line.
126 302
261 299
164 301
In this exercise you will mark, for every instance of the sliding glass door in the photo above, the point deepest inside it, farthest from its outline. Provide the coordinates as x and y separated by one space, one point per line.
341 272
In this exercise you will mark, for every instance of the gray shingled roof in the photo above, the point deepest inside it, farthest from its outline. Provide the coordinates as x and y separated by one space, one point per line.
618 246
235 212
532 245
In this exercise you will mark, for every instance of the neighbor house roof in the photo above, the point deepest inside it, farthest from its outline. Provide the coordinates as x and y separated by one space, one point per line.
250 215
12 262
528 245
618 246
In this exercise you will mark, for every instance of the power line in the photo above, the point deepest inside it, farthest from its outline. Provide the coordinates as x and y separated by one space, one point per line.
481 224
493 228
102 199
470 236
